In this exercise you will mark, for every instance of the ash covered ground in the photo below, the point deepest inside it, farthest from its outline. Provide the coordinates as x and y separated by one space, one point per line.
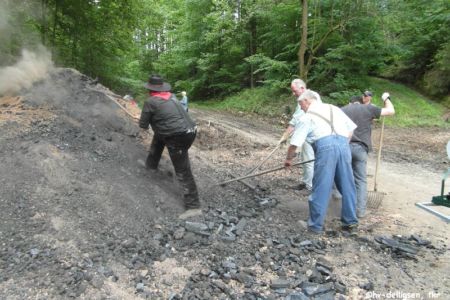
80 217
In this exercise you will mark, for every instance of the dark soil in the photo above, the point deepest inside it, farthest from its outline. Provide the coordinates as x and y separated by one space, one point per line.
82 218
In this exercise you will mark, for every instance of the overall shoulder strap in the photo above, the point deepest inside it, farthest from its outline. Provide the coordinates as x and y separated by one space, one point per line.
330 122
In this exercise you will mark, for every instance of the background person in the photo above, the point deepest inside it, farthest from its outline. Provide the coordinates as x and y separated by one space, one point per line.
328 129
362 112
173 128
184 101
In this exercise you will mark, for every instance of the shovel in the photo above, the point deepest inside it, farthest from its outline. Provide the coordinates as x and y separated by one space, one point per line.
374 198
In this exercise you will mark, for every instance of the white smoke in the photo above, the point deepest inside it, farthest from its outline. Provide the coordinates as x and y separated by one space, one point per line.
32 67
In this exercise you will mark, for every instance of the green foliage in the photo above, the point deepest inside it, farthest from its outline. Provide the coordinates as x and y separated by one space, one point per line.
437 79
213 48
17 29
274 70
341 98
412 109
94 37
262 101
419 29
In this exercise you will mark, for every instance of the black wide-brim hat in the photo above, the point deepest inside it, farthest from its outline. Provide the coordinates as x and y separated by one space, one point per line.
157 84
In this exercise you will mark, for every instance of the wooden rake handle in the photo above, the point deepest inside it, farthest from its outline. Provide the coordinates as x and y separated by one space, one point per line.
268 156
377 166
263 172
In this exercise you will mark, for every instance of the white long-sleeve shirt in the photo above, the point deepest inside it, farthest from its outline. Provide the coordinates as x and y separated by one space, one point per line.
311 127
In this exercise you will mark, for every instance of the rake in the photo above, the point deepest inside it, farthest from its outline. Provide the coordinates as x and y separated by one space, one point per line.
265 159
375 197
264 172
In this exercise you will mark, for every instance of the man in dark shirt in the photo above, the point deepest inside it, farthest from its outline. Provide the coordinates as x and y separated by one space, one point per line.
361 111
173 128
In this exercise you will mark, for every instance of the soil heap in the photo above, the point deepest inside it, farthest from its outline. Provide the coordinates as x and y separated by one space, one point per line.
82 218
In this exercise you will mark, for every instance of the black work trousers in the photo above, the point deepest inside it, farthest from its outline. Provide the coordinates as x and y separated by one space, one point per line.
178 146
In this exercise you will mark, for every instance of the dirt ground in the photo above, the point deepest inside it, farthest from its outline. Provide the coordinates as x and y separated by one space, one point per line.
81 218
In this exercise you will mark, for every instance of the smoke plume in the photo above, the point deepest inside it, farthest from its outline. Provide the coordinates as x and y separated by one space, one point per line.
32 66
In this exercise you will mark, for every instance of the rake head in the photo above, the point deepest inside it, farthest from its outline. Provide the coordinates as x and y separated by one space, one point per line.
374 199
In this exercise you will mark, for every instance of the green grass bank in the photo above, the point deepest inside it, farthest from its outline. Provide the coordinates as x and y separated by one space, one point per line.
412 108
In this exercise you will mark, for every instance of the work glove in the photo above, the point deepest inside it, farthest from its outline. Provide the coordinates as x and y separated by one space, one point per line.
283 138
385 96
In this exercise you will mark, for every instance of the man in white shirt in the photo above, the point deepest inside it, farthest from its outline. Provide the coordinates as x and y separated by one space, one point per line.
328 130
298 87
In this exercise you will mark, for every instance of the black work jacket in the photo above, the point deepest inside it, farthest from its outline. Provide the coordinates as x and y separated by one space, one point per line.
166 117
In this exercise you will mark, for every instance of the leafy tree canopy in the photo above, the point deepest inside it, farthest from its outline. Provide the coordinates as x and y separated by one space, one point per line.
214 48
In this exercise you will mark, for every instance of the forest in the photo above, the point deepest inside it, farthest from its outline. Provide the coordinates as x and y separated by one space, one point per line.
216 48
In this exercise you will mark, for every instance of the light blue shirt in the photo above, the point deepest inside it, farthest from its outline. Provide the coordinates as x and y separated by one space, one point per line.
184 102
311 127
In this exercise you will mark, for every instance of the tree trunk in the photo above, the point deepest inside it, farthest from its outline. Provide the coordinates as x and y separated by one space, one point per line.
55 21
44 27
303 41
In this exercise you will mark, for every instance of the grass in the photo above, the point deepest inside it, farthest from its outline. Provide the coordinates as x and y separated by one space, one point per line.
412 108
259 101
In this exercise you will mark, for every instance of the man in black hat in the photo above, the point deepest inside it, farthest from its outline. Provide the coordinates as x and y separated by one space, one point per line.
174 128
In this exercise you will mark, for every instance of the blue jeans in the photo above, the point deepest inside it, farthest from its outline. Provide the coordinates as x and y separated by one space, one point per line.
308 169
332 164
359 166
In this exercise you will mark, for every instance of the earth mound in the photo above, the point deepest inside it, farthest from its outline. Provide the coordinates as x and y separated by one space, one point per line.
82 218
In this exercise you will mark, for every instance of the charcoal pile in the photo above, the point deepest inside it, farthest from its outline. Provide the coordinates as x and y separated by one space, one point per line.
82 218
403 247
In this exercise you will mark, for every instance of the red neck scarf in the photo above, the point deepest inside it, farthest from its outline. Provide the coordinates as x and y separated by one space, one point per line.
164 95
